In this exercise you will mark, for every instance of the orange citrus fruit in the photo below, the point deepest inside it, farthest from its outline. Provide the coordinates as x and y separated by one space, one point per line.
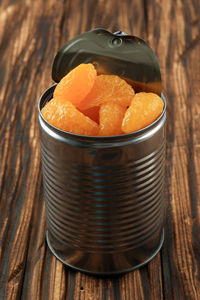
105 105
110 119
92 113
75 86
67 117
108 88
145 108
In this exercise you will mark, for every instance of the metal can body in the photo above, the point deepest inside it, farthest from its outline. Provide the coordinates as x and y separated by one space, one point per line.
104 196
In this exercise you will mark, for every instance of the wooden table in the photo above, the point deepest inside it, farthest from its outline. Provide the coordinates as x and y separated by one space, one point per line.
31 32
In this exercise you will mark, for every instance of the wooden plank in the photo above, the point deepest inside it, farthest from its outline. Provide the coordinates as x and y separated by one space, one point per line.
26 53
176 41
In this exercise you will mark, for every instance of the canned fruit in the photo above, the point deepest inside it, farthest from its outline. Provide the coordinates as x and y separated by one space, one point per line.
67 117
104 105
92 113
110 119
109 88
76 85
145 108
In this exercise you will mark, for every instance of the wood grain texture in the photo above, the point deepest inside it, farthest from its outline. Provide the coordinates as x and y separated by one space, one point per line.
31 32
180 62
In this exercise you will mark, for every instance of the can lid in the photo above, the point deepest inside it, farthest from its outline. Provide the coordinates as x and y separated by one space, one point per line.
116 53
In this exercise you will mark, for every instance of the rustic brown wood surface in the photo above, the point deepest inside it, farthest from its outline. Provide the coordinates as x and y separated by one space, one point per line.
31 32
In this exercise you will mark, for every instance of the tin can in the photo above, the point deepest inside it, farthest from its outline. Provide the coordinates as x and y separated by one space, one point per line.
104 196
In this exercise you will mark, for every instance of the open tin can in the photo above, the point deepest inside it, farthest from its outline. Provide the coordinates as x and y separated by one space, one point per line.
104 196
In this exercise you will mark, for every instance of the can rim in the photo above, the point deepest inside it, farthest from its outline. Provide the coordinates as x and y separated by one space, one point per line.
119 272
44 99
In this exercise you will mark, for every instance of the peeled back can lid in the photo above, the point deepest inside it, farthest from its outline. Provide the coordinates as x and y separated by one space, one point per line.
120 54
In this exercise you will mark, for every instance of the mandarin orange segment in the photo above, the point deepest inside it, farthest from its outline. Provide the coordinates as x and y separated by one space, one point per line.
75 86
145 108
110 118
92 113
108 88
66 117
